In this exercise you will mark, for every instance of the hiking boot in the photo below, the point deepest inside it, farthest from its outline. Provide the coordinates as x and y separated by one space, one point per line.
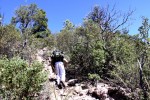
63 84
56 83
59 86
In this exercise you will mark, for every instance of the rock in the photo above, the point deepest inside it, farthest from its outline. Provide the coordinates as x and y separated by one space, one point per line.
99 85
84 86
72 82
83 92
119 92
99 92
90 90
77 89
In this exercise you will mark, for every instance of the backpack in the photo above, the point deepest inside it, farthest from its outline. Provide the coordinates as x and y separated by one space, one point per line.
57 55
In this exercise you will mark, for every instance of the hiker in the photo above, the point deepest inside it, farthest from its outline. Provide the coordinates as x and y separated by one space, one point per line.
59 63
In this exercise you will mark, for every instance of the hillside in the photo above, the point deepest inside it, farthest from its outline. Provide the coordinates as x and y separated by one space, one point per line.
77 90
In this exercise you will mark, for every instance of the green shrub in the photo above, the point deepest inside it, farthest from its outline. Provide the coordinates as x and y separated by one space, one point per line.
94 78
19 80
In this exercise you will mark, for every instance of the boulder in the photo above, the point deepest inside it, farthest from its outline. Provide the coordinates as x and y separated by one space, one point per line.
72 82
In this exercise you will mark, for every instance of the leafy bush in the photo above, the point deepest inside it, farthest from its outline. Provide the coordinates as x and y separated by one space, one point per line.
19 80
9 40
94 78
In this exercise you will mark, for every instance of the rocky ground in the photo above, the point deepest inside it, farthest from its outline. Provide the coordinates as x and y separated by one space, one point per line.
78 90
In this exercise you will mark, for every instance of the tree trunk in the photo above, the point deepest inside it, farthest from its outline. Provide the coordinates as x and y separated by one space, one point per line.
142 79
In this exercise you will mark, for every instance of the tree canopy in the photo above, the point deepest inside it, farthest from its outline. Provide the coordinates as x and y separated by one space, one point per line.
33 18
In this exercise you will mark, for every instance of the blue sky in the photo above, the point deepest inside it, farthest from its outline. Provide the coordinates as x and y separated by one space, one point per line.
75 10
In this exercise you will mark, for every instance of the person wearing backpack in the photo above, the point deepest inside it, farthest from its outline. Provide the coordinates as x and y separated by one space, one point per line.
58 61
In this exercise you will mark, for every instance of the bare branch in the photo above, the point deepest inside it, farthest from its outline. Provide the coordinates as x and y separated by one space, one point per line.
125 19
